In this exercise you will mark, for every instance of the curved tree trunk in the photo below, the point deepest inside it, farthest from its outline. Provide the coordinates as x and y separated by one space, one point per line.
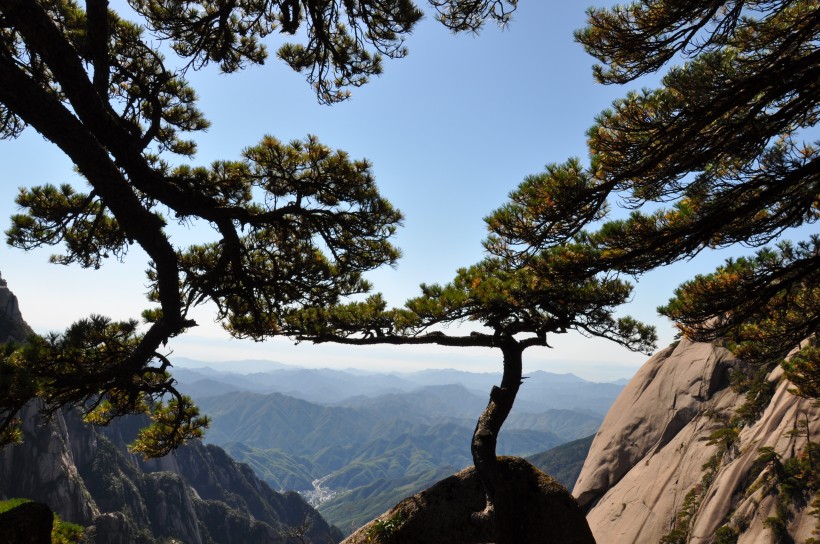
489 424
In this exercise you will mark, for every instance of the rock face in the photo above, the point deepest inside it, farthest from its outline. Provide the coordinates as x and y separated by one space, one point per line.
12 326
197 495
544 511
659 440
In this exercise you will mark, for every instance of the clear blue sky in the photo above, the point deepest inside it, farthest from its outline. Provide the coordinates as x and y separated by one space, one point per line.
450 130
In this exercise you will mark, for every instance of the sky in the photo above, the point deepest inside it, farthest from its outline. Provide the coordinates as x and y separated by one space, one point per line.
450 130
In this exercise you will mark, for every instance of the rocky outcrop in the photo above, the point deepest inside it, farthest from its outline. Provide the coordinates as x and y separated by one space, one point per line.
542 512
43 467
12 326
198 495
110 528
647 464
29 523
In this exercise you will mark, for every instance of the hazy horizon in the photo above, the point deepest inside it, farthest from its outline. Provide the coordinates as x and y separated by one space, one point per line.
589 371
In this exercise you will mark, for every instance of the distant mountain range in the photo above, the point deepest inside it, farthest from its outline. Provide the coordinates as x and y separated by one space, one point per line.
541 390
356 443
564 462
348 444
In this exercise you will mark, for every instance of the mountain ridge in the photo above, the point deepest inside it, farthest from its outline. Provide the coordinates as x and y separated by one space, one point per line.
198 494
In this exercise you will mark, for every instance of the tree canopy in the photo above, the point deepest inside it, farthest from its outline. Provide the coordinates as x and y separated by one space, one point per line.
727 142
720 154
518 301
716 156
292 224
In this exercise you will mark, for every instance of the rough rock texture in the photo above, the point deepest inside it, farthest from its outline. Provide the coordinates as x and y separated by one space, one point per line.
110 528
12 326
543 513
723 502
29 523
198 495
653 443
43 468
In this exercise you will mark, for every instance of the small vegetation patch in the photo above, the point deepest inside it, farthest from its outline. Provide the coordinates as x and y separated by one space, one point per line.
796 480
726 535
383 529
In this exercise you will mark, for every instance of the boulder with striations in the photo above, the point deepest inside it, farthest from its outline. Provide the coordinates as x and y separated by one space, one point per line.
657 464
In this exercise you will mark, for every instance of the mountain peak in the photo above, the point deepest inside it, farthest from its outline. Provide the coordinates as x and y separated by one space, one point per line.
12 326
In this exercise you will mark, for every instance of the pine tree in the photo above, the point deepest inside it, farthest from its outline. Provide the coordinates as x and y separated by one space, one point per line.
293 224
518 303
718 155
722 142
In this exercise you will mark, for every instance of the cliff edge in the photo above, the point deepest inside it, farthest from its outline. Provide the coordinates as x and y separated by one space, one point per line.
196 495
12 326
668 466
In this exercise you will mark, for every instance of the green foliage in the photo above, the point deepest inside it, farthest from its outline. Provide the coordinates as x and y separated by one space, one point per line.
519 300
765 456
344 42
724 438
383 529
545 209
564 462
7 505
470 16
71 369
542 296
726 535
66 533
680 532
758 391
793 481
763 320
717 154
80 221
779 529
171 424
17 386
803 370
318 203
713 99
292 224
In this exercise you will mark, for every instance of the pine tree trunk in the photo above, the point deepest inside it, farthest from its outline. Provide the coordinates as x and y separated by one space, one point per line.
486 432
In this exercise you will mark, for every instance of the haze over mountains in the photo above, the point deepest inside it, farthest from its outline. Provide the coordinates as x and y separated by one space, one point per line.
354 443
542 390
